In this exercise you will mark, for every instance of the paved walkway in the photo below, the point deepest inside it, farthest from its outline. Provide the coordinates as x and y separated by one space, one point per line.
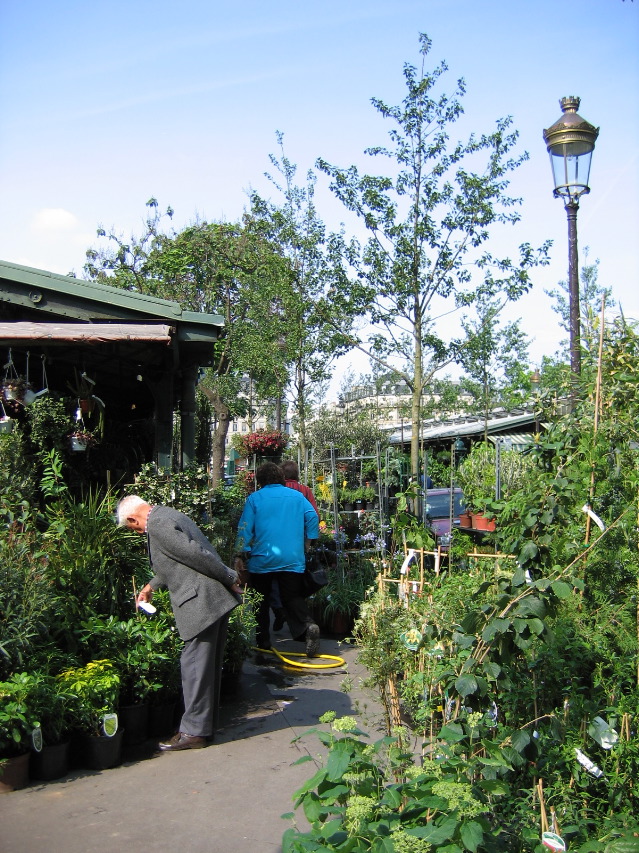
227 798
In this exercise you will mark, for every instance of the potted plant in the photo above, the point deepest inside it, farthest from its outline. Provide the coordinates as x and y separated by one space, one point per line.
240 639
94 691
338 602
135 647
477 478
346 498
17 722
267 445
51 703
80 439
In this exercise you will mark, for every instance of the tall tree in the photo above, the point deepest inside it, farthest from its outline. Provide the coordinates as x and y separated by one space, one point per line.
312 331
591 295
230 269
428 222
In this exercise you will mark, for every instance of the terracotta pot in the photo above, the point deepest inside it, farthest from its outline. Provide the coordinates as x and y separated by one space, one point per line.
15 773
465 520
480 522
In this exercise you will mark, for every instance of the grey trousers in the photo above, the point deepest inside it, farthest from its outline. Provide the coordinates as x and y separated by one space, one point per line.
201 670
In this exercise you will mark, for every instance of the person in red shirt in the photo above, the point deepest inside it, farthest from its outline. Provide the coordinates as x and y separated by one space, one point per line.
292 480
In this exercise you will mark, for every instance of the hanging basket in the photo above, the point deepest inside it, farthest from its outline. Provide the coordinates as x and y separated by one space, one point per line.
78 443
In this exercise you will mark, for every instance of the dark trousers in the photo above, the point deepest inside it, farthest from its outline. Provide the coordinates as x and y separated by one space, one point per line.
293 603
201 670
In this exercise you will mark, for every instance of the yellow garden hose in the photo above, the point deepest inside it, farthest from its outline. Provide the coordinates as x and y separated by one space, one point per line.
336 661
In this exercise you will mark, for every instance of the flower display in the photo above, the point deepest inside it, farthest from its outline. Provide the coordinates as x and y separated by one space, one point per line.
263 443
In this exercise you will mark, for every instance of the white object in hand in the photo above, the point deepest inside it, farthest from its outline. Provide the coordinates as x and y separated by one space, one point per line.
147 606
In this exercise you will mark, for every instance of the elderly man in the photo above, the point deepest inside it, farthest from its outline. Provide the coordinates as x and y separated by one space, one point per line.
271 545
203 592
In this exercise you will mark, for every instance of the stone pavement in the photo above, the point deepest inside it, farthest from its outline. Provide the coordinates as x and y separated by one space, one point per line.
227 798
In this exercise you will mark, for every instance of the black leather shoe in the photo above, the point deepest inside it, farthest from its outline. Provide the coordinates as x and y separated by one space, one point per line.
181 741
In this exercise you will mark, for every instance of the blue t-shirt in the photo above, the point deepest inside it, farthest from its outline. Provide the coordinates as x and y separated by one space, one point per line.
272 529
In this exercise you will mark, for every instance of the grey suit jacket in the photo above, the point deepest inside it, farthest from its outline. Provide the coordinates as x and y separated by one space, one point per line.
183 560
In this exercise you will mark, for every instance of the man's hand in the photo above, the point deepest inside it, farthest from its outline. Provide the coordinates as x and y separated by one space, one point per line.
240 567
145 594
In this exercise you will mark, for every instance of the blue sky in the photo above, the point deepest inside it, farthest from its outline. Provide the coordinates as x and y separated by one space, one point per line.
103 105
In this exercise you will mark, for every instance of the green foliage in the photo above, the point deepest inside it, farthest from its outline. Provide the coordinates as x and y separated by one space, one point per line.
94 690
372 797
330 430
477 475
91 564
47 424
241 632
144 652
187 491
27 600
495 358
17 712
407 528
429 218
312 329
17 477
349 581
232 269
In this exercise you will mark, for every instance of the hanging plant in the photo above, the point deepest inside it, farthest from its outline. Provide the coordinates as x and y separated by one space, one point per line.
81 439
262 443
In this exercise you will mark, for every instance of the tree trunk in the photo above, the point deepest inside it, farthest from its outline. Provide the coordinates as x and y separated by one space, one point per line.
218 443
301 419
417 394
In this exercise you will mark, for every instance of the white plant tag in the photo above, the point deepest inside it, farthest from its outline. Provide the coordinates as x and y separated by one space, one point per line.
36 739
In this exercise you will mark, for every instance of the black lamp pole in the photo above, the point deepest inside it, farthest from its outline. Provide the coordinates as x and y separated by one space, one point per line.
570 142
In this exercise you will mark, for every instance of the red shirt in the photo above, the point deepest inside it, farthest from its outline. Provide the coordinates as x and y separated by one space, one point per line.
308 494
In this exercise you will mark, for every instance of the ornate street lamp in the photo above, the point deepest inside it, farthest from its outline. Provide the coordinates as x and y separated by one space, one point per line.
570 142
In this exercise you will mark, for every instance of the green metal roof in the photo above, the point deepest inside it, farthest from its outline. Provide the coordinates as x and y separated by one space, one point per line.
51 293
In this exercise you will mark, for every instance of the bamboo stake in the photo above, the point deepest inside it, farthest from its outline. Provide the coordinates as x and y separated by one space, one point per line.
542 806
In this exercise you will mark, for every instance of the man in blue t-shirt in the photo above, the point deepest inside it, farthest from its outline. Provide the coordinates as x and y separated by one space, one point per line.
272 532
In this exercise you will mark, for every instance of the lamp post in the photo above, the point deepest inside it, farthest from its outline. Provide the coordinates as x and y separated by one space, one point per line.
570 142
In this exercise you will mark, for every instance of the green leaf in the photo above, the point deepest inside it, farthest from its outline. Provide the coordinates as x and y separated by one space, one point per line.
452 733
561 589
492 669
435 834
495 627
519 577
520 739
494 786
338 760
528 552
465 685
530 606
536 626
382 845
472 835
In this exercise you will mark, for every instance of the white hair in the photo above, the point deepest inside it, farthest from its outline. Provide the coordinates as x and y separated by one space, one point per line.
127 507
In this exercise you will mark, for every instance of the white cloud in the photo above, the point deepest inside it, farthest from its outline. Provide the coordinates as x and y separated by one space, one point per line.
53 219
